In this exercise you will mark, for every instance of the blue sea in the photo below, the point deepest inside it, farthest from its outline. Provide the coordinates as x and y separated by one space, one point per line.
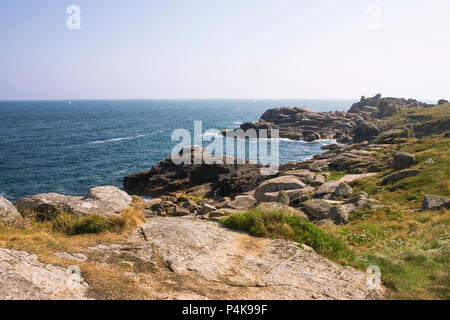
69 147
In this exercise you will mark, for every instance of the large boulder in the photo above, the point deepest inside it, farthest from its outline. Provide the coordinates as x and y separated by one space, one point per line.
7 211
432 202
396 176
317 208
343 190
341 214
403 160
242 202
264 192
106 201
327 188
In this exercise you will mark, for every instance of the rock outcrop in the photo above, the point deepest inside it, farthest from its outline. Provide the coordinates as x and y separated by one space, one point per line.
379 107
226 263
106 201
221 179
8 212
24 277
403 160
432 202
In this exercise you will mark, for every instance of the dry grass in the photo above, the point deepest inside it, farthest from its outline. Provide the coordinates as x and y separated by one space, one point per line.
106 281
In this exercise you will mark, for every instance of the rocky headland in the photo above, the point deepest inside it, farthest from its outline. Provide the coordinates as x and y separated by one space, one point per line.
379 197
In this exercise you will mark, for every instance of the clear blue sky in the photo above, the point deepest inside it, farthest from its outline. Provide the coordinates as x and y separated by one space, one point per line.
224 49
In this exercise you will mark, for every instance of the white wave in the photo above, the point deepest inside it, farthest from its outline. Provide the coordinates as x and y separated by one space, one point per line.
118 139
238 123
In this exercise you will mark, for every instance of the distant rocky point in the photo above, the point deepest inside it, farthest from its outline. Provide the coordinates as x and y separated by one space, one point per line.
364 121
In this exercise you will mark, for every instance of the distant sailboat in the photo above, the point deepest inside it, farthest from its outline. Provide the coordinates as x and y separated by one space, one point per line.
70 101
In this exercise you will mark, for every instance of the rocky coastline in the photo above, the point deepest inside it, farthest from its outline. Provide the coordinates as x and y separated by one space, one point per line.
323 191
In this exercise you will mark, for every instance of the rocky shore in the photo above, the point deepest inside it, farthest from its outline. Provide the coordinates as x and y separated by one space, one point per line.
191 256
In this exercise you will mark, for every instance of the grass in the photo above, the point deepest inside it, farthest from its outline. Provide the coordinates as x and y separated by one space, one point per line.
277 224
336 175
411 248
70 224
72 234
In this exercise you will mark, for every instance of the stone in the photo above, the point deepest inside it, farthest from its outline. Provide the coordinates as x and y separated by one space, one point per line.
283 198
393 177
220 263
24 277
229 177
206 208
108 201
403 160
343 190
341 213
317 208
442 101
8 212
275 185
242 202
179 211
327 187
432 202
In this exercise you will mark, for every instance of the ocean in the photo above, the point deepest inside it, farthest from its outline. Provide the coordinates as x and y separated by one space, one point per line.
69 147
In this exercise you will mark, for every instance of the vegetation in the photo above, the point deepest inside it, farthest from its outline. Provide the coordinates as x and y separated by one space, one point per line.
72 234
411 247
277 224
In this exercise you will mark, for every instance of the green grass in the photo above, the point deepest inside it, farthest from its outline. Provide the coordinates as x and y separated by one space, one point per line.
411 248
336 175
277 224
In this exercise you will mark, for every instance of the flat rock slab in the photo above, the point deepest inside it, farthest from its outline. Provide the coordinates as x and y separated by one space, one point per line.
353 177
24 277
247 267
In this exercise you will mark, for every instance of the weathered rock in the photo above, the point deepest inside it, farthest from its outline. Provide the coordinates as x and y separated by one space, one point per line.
327 188
242 202
232 177
283 198
403 160
341 213
179 211
379 107
7 211
393 177
343 190
106 201
275 185
442 101
432 202
391 136
206 208
24 277
317 208
217 262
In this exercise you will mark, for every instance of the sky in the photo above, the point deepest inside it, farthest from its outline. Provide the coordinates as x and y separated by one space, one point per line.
257 49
